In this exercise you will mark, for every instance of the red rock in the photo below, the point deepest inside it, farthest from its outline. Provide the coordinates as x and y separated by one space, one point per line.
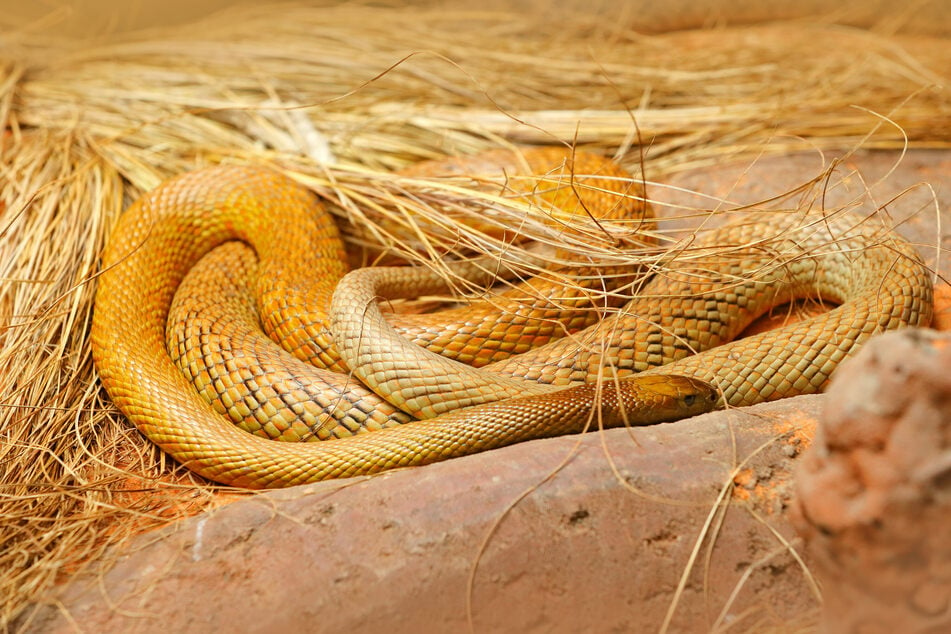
571 534
874 492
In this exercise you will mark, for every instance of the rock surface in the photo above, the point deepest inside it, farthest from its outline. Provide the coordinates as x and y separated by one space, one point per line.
583 533
874 490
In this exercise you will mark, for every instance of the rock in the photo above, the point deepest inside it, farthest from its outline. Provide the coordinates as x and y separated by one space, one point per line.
874 491
580 533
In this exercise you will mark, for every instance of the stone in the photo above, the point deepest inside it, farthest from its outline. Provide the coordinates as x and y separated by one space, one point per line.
874 491
578 533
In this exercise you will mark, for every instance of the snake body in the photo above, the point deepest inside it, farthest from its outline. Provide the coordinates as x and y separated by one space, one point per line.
877 277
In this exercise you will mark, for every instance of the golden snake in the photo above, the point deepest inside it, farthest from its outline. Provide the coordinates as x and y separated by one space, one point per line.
706 300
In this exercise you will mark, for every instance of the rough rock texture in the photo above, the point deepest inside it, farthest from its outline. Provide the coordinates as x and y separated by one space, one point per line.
583 533
874 490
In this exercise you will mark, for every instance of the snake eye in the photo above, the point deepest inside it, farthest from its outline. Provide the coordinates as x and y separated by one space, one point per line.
689 399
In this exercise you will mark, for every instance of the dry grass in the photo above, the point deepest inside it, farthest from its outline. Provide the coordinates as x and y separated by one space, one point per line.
90 125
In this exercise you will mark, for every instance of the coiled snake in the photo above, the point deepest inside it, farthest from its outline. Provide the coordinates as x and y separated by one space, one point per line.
156 264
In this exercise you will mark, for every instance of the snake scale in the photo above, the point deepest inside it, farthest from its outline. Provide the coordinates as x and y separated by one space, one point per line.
200 261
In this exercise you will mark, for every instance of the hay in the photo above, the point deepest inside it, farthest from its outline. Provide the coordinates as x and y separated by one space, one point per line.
89 125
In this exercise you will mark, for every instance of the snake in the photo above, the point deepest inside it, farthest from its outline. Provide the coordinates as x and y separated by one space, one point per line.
231 249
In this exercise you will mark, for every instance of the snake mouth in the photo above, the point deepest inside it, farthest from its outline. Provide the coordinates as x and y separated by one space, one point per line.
693 396
706 397
647 399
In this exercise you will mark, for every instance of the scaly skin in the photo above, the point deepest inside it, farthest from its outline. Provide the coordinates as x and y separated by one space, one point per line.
169 230
696 304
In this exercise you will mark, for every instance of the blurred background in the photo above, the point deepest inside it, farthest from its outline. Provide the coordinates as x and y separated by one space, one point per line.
93 18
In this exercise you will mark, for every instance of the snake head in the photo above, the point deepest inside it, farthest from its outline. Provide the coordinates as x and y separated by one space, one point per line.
664 398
